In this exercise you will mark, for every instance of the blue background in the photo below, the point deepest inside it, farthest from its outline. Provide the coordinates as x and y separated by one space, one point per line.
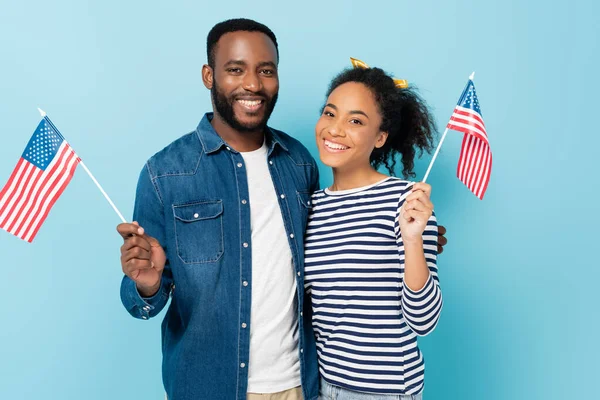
122 79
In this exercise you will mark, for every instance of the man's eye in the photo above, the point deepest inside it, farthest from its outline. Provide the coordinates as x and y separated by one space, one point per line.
268 72
234 70
328 113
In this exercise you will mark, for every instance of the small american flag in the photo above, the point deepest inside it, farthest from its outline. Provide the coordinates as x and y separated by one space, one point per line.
475 162
41 175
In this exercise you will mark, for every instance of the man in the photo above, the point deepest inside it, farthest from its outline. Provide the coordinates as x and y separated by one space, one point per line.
222 213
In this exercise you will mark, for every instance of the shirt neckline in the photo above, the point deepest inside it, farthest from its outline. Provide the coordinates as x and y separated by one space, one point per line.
355 190
260 151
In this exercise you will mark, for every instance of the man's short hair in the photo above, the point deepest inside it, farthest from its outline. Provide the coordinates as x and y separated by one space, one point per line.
234 25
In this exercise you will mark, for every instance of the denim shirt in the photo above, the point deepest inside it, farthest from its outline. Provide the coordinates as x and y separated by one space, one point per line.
193 197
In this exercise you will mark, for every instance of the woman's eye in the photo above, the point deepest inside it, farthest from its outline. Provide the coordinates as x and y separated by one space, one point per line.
328 113
356 122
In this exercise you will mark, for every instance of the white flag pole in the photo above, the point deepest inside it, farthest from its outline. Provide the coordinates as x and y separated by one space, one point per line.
437 150
103 192
43 114
435 155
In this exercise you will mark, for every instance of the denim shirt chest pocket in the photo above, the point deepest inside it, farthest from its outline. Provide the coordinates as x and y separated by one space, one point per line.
199 231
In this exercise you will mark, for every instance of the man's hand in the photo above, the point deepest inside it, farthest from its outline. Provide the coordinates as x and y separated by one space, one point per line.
142 258
442 241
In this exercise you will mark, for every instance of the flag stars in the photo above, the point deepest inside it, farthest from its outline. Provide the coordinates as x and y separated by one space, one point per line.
43 146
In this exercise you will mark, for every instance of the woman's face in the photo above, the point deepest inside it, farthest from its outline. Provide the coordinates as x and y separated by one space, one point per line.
348 129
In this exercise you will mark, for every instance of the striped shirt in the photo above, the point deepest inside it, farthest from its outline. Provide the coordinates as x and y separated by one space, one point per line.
366 321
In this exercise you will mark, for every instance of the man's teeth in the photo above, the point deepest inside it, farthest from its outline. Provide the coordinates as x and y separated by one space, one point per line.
335 146
250 103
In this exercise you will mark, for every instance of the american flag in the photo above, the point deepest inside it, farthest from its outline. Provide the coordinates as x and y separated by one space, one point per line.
475 162
41 175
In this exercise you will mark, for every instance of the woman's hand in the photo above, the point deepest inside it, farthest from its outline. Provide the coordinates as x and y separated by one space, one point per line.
415 213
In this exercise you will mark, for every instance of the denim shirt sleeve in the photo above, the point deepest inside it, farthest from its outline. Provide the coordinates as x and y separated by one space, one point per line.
315 184
149 213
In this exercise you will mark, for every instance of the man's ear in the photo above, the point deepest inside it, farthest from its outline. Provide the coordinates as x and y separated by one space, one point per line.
207 76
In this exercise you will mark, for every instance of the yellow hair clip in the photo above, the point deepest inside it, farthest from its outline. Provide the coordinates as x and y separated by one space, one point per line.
400 83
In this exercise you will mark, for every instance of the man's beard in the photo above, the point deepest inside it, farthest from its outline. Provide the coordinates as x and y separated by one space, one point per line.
224 107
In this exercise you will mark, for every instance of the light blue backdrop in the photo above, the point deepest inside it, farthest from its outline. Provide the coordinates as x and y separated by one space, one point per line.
122 79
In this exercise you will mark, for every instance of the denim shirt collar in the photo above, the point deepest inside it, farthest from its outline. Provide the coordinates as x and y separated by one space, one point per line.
211 141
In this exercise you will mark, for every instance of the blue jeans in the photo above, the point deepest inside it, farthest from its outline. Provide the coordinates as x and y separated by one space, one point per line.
331 392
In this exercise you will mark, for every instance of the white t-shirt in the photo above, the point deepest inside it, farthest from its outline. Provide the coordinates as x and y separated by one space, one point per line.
274 364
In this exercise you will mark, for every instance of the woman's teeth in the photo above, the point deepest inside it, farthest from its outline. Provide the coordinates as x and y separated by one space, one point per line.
335 146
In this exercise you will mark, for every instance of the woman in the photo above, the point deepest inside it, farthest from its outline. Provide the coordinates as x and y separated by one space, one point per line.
371 242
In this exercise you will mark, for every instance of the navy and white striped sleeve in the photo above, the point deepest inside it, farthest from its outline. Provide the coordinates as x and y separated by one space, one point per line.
422 308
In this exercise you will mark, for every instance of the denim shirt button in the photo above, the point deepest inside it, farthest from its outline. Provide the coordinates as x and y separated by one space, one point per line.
239 165
196 215
282 196
298 273
244 201
243 365
245 283
244 325
292 235
270 162
245 244
228 148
